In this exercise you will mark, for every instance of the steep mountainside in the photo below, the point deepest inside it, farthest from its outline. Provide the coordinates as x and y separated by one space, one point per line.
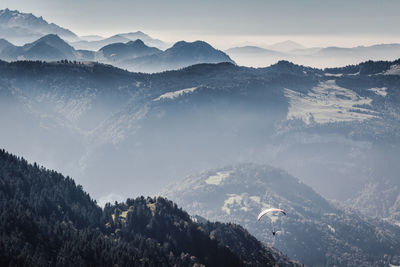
46 220
314 231
20 28
337 129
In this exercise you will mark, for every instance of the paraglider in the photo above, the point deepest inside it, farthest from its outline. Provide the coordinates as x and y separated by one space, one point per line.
271 210
268 211
276 232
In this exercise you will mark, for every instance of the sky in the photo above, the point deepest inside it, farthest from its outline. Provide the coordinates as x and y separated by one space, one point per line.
312 22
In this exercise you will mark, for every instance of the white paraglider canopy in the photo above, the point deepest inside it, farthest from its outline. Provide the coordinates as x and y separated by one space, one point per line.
262 213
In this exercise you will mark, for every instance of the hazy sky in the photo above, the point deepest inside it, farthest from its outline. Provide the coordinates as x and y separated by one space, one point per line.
252 21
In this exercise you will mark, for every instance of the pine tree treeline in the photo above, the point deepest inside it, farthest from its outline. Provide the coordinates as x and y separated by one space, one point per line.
47 220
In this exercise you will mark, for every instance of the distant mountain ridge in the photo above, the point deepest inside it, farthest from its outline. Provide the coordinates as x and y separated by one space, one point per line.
320 57
20 28
252 50
286 46
119 38
180 55
132 55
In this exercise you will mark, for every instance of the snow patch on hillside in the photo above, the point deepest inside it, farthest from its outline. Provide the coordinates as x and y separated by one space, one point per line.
327 103
244 202
231 201
379 91
333 74
218 178
175 94
256 199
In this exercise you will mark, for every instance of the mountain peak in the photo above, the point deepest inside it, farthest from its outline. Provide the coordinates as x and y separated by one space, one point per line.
122 51
137 42
181 55
249 49
7 11
133 34
198 44
51 47
19 27
286 46
51 36
53 40
287 67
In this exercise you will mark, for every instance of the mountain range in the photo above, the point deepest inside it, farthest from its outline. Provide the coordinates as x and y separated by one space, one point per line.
132 55
180 55
322 57
100 42
21 28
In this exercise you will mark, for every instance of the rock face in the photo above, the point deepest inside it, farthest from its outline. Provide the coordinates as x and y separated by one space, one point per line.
314 231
